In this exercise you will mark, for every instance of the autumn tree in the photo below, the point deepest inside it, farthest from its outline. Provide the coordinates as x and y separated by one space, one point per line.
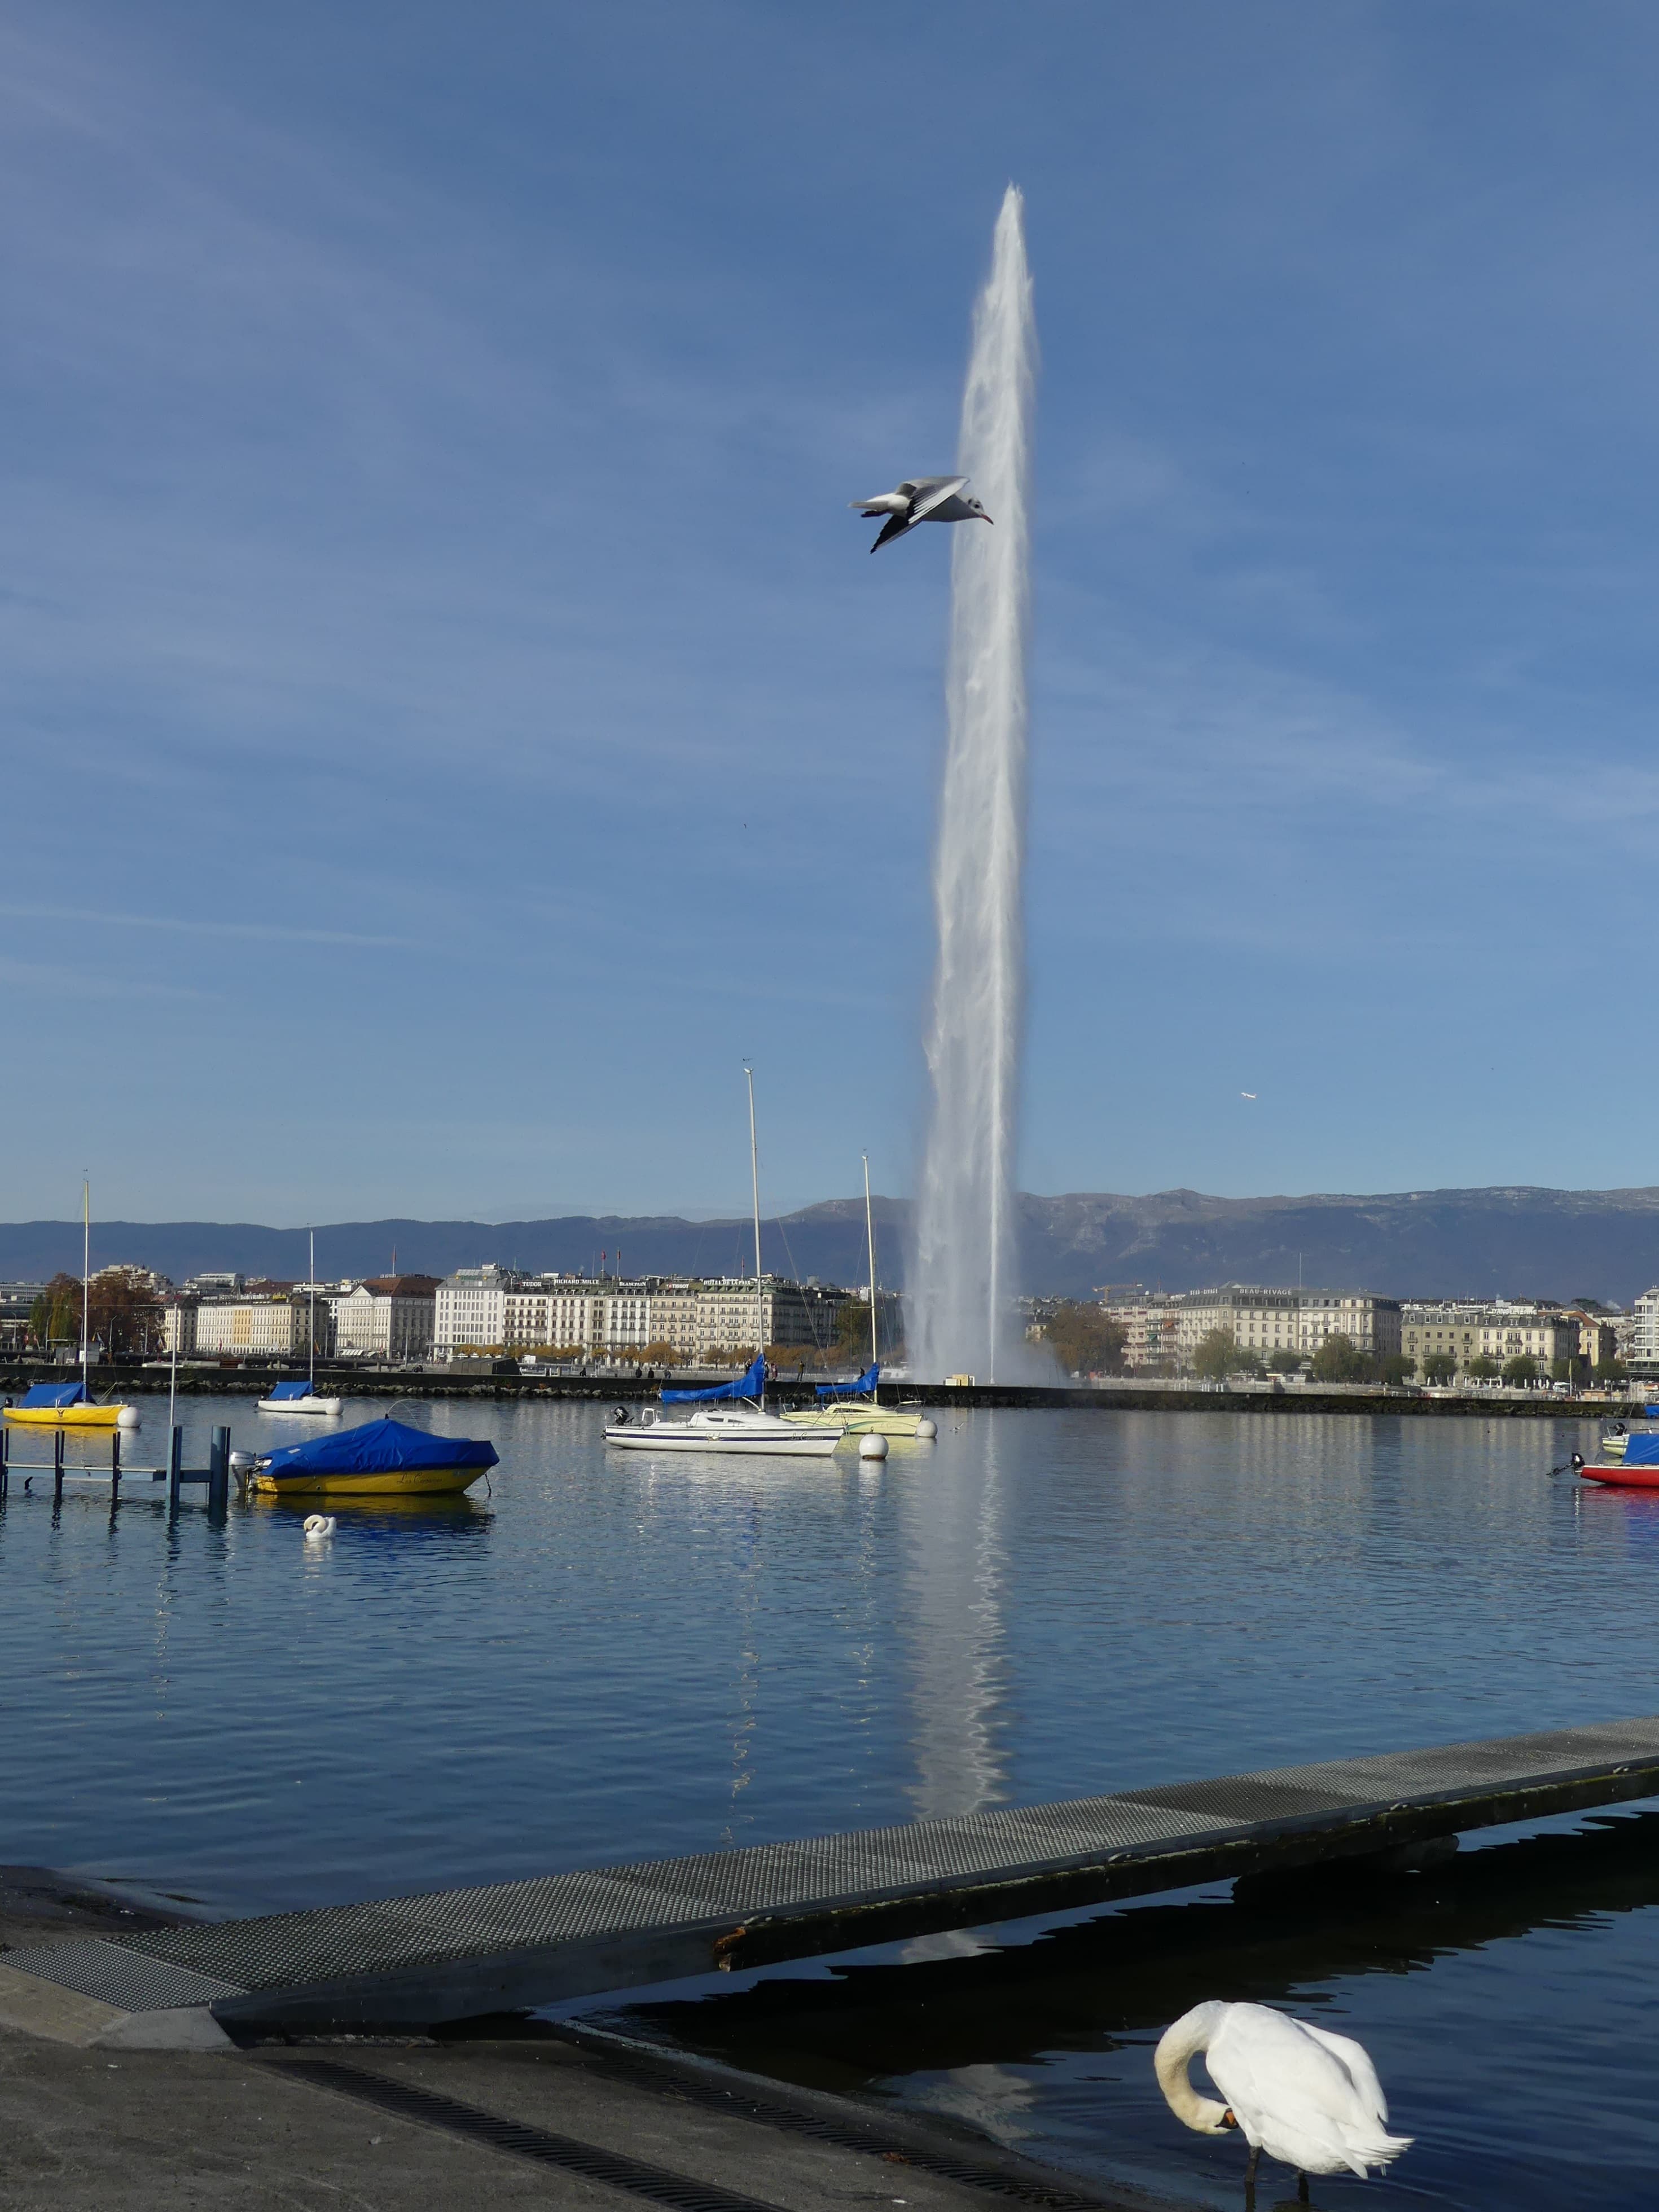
1084 1338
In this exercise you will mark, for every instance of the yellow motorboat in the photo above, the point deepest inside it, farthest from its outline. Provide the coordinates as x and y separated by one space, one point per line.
66 1406
379 1459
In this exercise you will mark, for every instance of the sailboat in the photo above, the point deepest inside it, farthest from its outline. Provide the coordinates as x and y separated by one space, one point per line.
855 1404
69 1405
301 1397
731 1417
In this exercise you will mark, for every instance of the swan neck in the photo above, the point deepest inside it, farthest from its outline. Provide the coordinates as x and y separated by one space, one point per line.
1183 2044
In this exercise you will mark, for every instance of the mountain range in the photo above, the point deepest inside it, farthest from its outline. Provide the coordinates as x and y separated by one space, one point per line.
1517 1241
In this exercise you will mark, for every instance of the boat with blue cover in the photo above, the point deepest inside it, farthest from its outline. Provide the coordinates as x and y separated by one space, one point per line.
299 1397
379 1459
68 1405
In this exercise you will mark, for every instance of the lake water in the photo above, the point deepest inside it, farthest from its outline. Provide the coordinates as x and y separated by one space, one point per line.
617 1657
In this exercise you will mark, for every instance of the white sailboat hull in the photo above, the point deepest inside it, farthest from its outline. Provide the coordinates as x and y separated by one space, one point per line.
741 1429
330 1407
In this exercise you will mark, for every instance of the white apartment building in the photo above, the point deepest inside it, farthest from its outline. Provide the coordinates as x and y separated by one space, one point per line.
469 1309
274 1328
1643 1334
490 1309
1164 1333
390 1317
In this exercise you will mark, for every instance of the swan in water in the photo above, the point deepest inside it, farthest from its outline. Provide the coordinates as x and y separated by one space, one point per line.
318 1528
1306 2097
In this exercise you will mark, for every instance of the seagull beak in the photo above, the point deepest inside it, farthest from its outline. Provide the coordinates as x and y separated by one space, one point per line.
985 518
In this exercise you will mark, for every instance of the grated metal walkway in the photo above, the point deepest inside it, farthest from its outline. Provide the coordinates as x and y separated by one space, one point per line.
459 1952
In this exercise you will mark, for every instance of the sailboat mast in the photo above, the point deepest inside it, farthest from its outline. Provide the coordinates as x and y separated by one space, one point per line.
870 1238
311 1330
754 1173
86 1274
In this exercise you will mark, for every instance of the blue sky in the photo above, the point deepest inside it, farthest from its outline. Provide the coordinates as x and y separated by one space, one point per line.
451 719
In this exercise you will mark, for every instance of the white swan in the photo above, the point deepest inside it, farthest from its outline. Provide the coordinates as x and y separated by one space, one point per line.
318 1528
1306 2097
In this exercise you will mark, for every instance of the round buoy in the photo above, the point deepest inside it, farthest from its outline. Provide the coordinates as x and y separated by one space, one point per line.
873 1447
927 1428
128 1418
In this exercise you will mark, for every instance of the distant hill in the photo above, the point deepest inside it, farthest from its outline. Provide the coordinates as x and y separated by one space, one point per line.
1518 1240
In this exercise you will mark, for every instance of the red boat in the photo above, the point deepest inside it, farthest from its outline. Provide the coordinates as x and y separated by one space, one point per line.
1624 1473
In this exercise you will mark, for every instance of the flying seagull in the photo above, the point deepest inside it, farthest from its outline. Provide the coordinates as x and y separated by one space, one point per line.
1247 1094
928 499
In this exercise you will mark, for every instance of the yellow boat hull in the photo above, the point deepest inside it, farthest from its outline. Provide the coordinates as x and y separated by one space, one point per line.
65 1417
862 1421
394 1482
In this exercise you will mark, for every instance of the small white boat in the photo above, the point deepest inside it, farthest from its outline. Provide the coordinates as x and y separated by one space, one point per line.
299 1398
732 1416
730 1428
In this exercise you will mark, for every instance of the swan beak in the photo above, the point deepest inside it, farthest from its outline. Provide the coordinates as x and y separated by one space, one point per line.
1228 2118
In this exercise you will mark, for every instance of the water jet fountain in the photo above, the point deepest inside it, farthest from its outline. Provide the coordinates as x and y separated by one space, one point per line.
962 1282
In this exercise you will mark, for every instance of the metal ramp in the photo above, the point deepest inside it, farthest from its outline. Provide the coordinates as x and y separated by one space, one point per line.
453 1953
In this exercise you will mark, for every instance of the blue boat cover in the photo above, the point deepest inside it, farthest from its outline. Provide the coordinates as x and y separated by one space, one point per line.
1642 1451
55 1394
752 1385
864 1388
379 1448
289 1390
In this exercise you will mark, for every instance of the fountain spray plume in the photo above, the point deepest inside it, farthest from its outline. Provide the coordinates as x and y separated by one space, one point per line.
963 1285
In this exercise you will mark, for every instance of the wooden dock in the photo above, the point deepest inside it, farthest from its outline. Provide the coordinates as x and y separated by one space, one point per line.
459 1952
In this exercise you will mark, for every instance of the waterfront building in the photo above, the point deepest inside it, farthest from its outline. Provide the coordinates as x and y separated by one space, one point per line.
211 1285
1164 1333
590 1317
390 1317
1501 1330
276 1326
16 1305
469 1309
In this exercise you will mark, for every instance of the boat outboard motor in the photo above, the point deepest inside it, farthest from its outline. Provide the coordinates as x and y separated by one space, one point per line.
1576 1460
619 1417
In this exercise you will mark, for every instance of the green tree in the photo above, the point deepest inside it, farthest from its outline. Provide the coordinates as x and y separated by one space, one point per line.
1339 1359
1483 1368
1522 1368
1564 1369
1440 1368
1398 1367
1611 1370
1284 1362
1084 1338
55 1315
1215 1356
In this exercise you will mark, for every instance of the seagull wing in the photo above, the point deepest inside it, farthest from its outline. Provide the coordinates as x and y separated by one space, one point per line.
895 526
933 491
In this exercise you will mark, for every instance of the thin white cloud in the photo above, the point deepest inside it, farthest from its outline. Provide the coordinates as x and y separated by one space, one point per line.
206 926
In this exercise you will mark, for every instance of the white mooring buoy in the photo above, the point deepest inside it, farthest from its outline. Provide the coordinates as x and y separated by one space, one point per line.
128 1418
873 1447
928 1429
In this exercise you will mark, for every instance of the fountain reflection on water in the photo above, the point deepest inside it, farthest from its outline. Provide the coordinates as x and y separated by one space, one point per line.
962 1281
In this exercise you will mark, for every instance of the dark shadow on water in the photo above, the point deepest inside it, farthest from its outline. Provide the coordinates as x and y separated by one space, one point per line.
1085 1986
411 1518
